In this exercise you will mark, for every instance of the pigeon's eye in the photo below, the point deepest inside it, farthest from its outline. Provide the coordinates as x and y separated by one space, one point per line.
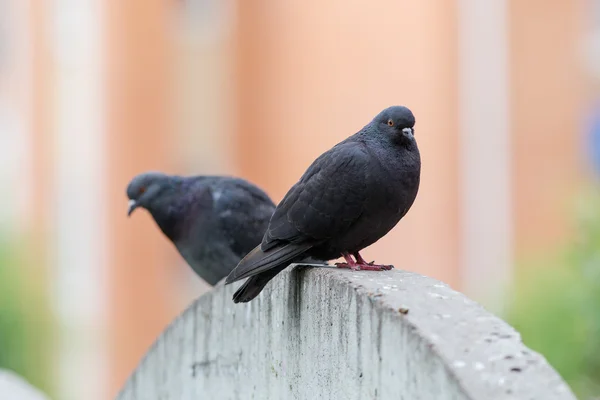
142 189
390 122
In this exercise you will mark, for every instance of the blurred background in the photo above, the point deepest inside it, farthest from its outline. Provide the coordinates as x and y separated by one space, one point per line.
507 99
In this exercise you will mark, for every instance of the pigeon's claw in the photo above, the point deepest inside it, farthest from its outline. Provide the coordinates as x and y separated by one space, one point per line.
350 263
375 267
370 266
353 266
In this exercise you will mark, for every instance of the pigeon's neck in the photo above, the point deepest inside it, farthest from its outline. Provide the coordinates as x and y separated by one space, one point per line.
182 211
170 210
168 220
394 156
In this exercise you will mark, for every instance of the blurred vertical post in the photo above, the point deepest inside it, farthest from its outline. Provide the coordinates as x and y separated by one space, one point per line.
77 217
139 138
40 138
41 190
310 73
41 135
486 248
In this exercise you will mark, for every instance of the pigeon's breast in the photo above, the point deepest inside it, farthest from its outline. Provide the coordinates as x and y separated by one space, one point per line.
391 190
209 256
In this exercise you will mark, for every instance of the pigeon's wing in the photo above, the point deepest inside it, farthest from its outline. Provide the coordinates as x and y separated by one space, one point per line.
326 201
192 210
243 212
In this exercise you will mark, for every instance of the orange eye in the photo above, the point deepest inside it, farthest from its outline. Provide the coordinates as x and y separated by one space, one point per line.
142 189
390 122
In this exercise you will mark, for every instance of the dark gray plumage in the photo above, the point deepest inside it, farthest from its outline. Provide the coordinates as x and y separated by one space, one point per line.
350 197
212 220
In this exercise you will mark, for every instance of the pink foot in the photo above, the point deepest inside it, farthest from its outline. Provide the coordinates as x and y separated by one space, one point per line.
350 263
371 266
353 266
375 267
361 264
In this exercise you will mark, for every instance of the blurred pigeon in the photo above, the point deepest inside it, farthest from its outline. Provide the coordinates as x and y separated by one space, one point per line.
350 197
212 220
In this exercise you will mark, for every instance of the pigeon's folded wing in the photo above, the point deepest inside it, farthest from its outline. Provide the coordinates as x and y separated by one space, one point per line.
243 213
326 201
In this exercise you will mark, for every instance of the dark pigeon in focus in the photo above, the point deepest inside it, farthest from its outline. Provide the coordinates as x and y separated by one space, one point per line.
350 197
213 221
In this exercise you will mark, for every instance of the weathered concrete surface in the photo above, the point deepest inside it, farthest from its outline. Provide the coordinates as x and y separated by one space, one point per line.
324 333
14 387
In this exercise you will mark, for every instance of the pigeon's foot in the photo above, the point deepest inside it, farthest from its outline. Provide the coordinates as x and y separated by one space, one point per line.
353 266
375 267
370 266
361 264
350 263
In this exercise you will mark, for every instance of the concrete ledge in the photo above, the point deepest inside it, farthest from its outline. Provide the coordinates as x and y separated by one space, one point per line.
324 333
14 387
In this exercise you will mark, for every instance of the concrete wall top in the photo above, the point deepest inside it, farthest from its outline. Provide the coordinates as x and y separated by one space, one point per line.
324 333
14 387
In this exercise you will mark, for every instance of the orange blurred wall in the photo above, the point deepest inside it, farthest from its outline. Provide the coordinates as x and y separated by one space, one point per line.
547 105
139 134
310 75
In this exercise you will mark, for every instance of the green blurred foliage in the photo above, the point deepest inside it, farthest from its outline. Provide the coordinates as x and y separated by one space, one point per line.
25 324
556 303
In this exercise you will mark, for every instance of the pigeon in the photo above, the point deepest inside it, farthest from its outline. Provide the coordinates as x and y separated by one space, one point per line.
350 197
213 221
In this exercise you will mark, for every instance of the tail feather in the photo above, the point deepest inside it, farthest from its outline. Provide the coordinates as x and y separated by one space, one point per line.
258 261
255 284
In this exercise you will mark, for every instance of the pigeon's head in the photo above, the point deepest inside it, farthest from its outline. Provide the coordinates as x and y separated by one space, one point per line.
145 189
397 121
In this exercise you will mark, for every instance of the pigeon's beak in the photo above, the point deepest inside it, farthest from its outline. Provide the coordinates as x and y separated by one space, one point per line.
408 132
132 206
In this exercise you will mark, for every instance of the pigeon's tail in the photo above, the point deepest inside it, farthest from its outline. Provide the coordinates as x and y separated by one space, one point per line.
258 261
255 284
